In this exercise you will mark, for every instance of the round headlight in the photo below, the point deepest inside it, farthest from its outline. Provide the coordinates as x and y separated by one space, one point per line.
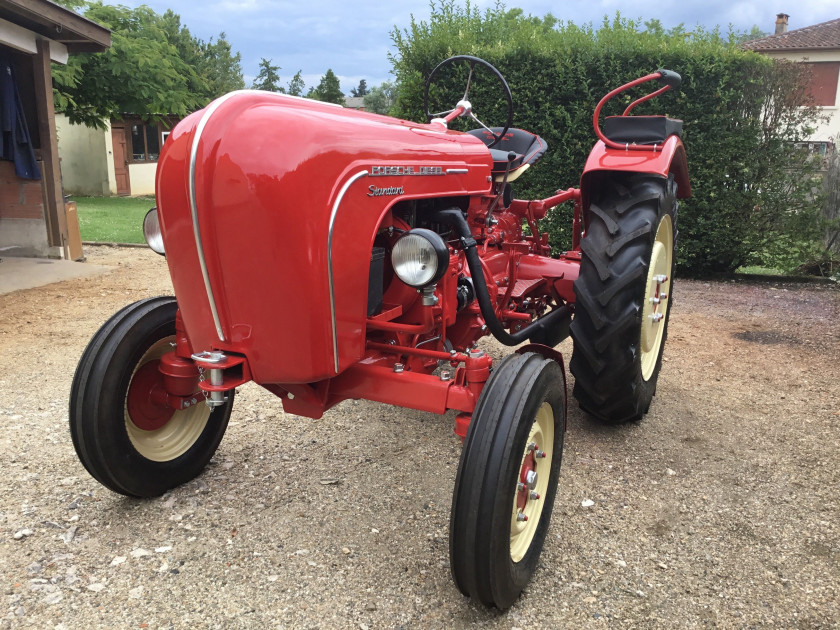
420 257
151 230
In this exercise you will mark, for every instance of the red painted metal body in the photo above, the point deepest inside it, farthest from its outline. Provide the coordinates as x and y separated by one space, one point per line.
270 207
268 173
668 158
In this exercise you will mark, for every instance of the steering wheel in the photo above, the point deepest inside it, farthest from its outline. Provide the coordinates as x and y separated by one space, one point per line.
464 108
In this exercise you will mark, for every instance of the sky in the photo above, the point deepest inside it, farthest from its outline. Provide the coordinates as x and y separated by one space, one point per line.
353 37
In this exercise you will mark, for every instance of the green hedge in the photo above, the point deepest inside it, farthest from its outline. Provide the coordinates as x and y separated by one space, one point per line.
558 71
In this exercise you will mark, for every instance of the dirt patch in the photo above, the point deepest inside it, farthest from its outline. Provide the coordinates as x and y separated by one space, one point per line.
766 337
720 508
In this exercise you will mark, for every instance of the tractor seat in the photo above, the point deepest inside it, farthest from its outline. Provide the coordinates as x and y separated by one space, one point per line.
527 146
641 129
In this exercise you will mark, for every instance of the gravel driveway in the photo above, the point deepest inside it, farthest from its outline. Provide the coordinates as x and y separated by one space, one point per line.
719 509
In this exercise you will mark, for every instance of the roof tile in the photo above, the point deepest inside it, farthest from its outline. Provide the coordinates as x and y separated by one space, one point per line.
823 36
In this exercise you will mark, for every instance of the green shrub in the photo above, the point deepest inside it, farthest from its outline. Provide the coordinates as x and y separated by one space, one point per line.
740 112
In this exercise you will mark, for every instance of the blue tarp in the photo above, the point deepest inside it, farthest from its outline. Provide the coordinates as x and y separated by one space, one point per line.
15 143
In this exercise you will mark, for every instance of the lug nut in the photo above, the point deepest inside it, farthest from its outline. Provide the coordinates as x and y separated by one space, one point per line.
520 486
534 495
655 300
663 296
532 447
539 454
521 517
657 317
661 278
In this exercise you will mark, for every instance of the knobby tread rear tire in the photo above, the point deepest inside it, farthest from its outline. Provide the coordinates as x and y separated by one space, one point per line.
482 502
625 213
98 399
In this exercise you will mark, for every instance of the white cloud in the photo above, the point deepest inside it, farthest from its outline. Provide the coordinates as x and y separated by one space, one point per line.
353 38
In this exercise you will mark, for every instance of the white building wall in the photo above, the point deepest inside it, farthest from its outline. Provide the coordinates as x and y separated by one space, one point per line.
85 159
828 131
142 179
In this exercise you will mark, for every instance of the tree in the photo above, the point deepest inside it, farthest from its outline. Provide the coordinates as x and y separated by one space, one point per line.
154 67
362 90
381 98
267 79
753 33
296 85
328 90
144 72
220 67
752 195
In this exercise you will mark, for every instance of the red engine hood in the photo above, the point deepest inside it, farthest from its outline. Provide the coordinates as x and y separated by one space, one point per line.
285 195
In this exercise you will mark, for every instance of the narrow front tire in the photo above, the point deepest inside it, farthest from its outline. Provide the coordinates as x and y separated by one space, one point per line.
138 450
507 479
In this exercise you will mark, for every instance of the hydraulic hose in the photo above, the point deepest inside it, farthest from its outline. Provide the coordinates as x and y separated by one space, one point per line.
548 330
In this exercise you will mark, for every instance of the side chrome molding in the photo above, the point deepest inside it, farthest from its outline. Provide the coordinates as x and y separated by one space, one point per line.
208 112
333 214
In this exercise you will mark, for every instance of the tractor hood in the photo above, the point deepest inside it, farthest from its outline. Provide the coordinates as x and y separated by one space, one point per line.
269 205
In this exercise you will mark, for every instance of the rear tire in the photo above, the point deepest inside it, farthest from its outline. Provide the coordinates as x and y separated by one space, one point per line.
494 553
124 454
619 330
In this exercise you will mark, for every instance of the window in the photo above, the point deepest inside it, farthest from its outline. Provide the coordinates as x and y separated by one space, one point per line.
145 142
817 148
823 84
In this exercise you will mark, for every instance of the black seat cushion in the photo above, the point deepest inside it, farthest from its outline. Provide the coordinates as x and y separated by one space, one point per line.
527 146
641 129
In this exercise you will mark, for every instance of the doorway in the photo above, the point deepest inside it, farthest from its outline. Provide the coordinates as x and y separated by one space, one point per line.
120 160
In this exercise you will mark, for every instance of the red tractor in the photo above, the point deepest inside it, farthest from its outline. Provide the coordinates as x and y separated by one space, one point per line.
328 254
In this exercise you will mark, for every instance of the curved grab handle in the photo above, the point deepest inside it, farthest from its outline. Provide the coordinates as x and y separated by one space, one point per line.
670 78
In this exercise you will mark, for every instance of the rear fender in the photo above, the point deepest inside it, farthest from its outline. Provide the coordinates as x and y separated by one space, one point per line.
603 161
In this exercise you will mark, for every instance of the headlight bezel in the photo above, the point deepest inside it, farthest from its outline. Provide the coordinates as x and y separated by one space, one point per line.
437 254
152 232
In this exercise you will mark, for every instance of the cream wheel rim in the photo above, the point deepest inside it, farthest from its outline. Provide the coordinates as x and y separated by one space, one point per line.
657 296
538 455
178 435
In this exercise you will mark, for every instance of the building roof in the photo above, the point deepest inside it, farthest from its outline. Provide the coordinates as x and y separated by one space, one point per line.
55 22
354 102
824 36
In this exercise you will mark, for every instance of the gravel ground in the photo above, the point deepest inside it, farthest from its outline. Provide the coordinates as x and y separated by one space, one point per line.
719 509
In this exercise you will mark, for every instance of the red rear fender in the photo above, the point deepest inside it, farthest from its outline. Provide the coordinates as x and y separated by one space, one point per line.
667 159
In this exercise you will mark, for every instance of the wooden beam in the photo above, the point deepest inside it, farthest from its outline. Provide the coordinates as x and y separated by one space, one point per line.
54 201
56 18
23 40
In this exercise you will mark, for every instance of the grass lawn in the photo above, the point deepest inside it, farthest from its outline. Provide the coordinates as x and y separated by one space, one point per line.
755 270
113 219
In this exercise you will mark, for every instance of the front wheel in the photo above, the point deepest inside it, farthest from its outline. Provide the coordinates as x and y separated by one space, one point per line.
623 295
507 479
126 442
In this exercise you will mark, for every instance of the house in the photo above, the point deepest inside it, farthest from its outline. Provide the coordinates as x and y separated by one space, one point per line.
120 160
355 102
818 46
34 34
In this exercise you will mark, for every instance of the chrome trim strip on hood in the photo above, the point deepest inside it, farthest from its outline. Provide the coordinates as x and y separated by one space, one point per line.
337 203
208 112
